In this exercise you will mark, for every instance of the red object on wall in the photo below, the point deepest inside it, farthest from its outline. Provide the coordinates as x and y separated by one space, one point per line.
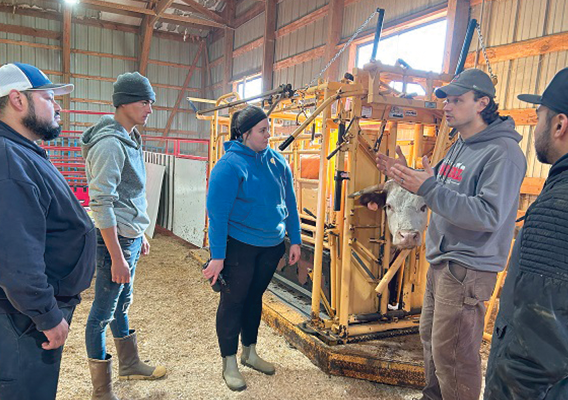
82 193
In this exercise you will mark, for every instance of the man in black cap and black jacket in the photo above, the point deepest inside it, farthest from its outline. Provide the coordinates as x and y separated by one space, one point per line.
529 352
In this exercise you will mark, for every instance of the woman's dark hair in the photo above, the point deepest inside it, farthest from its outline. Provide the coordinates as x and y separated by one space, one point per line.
243 121
490 113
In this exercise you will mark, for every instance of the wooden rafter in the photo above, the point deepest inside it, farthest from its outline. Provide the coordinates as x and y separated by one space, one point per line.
269 44
207 72
181 94
317 52
522 49
140 12
458 15
147 31
198 22
522 116
248 47
476 2
305 20
114 7
334 27
204 11
229 44
161 8
203 91
22 30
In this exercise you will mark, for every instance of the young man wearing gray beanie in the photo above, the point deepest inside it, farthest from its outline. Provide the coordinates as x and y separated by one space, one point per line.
114 162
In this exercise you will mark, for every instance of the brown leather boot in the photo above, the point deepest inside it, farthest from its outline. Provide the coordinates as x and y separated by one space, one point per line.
129 364
101 377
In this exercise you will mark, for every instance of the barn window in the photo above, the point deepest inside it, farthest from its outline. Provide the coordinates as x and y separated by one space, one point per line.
250 87
422 48
410 88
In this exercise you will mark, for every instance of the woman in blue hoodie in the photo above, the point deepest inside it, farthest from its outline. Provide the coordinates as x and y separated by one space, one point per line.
251 205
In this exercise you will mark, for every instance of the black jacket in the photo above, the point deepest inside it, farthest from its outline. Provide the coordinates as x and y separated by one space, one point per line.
529 353
47 240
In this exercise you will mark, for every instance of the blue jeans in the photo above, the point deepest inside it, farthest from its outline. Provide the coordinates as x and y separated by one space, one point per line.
112 300
27 371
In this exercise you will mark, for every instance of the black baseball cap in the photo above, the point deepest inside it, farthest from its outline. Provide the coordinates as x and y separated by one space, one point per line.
470 79
555 95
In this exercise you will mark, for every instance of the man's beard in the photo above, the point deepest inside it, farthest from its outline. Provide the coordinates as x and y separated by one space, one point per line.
542 145
43 129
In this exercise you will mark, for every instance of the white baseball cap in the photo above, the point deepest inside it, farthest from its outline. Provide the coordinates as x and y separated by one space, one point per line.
25 77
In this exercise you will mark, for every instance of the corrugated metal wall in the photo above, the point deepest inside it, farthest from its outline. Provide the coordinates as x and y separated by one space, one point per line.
93 75
306 38
292 10
251 61
315 34
510 21
243 6
249 31
50 58
216 51
505 21
356 13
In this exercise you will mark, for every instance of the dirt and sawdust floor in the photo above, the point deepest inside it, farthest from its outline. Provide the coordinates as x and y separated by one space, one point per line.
174 316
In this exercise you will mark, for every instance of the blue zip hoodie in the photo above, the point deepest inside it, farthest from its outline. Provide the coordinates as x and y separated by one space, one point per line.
47 240
251 198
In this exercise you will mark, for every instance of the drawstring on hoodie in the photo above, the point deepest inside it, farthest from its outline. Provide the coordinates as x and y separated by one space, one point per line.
451 159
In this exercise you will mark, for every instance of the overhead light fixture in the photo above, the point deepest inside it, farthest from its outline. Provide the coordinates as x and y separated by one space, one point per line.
71 2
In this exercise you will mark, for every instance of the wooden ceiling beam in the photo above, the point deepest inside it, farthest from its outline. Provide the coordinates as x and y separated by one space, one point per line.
194 5
458 18
107 9
230 10
147 31
199 22
22 30
334 27
522 49
160 9
114 7
269 44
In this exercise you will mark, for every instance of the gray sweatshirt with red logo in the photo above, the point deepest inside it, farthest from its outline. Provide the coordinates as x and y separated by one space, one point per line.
474 199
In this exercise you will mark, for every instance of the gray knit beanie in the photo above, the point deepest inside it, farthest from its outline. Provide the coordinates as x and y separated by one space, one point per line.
132 87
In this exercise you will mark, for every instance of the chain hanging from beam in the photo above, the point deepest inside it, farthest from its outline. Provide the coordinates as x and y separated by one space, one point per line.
357 32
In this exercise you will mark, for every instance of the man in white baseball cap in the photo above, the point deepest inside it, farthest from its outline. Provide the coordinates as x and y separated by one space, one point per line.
47 240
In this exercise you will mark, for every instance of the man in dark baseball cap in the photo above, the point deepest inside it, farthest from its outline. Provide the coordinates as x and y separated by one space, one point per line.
473 194
555 96
468 80
530 342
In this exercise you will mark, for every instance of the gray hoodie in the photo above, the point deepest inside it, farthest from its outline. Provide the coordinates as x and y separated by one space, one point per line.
474 199
116 177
